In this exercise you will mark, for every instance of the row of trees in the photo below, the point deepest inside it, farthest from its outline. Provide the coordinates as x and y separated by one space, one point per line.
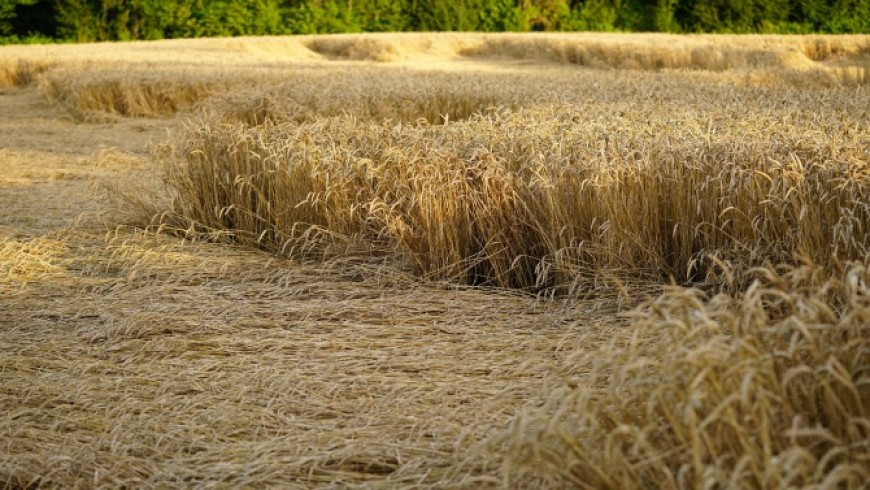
98 20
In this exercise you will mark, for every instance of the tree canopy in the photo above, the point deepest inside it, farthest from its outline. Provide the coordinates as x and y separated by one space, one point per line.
103 20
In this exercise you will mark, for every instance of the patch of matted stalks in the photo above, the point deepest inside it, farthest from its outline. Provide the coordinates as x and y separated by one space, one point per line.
18 72
141 361
540 198
384 94
389 47
770 389
820 59
148 79
100 91
799 60
23 260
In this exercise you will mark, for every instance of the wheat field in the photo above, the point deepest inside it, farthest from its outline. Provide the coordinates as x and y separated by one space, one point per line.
436 261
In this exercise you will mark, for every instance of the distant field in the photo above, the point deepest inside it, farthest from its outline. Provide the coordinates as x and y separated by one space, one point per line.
437 260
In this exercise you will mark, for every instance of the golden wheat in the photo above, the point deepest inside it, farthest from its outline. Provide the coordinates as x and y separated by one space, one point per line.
579 165
121 78
766 390
538 197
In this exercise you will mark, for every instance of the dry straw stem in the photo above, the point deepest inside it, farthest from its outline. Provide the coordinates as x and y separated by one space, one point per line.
131 92
20 72
379 94
770 389
540 197
140 360
118 78
135 359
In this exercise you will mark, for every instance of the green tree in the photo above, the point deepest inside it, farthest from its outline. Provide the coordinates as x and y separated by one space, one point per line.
435 16
380 15
322 17
593 15
7 14
235 17
101 20
97 20
835 16
498 16
735 15
546 15
77 20
664 16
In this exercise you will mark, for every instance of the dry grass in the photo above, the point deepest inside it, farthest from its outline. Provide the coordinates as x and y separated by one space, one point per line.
138 360
133 358
372 94
20 72
766 390
119 78
542 197
126 93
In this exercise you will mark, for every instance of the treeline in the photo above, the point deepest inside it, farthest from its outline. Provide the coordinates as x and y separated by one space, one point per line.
103 20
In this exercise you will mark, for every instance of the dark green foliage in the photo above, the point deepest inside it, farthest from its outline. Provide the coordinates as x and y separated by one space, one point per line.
7 14
324 17
664 16
464 15
234 18
835 16
32 19
737 15
99 20
33 39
